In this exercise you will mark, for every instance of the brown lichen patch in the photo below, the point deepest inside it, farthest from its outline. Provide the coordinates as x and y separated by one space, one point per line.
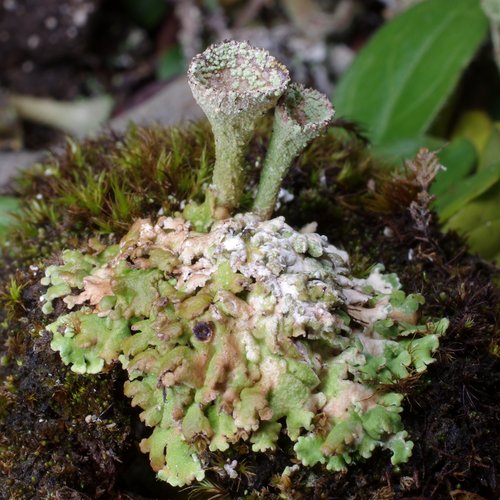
339 405
96 287
309 108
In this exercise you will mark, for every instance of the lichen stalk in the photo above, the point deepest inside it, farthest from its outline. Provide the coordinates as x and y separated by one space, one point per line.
301 115
234 83
231 142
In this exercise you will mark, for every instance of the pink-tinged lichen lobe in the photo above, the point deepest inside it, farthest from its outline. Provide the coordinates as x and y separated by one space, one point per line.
273 335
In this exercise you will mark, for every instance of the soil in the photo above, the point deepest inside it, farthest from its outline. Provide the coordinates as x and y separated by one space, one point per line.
70 49
69 436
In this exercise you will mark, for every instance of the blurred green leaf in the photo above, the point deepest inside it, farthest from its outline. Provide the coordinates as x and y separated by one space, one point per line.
401 79
459 158
474 125
399 150
477 213
491 152
478 221
171 63
147 13
481 241
8 205
465 190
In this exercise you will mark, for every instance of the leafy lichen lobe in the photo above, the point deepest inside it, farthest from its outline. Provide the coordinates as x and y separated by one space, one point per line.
243 333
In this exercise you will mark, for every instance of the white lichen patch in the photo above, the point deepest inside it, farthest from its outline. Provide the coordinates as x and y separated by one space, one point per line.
245 332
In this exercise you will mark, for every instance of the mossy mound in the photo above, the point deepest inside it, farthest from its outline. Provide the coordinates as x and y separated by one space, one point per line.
70 436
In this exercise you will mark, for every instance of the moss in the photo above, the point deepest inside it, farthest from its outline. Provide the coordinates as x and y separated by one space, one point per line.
329 184
102 185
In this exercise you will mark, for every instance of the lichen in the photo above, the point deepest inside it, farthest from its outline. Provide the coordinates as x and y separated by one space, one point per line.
450 420
237 328
243 333
300 116
235 84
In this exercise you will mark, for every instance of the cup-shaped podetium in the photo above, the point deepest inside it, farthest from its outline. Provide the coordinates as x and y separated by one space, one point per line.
300 116
234 83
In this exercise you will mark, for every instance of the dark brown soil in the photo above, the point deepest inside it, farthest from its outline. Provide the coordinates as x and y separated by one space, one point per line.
68 49
44 41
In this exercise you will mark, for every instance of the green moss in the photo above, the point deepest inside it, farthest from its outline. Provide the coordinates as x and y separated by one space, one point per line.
102 185
329 185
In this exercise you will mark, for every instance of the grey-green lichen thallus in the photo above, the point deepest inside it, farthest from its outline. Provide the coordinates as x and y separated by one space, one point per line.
241 328
235 84
300 116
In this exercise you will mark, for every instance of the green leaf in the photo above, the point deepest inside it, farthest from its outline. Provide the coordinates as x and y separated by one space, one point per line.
481 241
401 79
171 63
474 125
459 158
478 221
8 205
395 152
483 209
465 191
491 152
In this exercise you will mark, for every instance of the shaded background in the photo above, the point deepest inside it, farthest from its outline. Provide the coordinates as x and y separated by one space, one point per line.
135 53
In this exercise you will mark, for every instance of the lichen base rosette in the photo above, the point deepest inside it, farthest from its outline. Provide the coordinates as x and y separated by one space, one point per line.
243 333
